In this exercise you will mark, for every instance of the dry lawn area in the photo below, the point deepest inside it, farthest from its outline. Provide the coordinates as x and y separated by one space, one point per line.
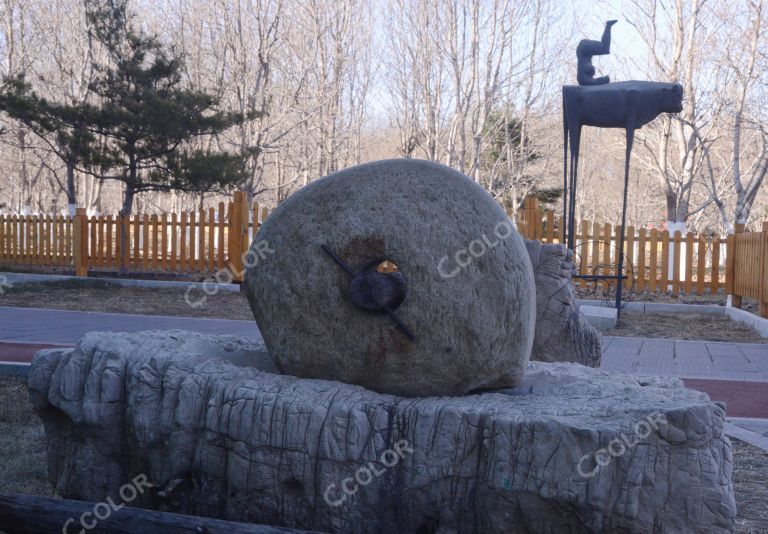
22 442
100 296
696 326
750 482
719 299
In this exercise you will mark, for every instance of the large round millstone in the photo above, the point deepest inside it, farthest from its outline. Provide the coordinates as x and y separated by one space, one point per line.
469 287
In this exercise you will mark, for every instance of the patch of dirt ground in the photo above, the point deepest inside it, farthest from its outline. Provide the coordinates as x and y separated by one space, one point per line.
100 296
693 326
23 459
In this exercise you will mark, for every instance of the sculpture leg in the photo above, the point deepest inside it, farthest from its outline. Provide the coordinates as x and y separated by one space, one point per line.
564 220
575 135
620 266
606 38
588 47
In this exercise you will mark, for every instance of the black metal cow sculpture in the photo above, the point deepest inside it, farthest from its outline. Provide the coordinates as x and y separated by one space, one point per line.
629 105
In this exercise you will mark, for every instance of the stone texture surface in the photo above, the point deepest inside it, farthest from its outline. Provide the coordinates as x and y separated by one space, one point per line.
562 333
473 324
238 443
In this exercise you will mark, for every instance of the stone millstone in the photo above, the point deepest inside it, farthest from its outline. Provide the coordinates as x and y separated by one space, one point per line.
473 324
241 444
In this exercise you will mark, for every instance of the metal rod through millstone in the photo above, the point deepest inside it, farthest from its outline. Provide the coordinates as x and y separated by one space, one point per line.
338 260
385 309
401 325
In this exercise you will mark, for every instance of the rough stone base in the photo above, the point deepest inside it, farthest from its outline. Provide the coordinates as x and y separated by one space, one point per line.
563 333
234 442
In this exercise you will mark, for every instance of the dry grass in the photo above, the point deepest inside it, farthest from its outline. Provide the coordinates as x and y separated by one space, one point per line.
99 296
719 299
695 326
750 482
22 442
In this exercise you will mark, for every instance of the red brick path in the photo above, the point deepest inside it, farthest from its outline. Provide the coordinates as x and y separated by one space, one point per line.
742 399
22 352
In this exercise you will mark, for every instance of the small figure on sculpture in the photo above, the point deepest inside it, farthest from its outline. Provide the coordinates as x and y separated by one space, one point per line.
587 48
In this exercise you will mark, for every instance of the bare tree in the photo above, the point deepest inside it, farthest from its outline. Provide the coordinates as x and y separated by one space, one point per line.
526 109
474 84
676 34
415 29
744 59
17 40
66 78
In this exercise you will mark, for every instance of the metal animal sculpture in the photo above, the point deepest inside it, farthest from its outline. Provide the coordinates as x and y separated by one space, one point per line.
629 105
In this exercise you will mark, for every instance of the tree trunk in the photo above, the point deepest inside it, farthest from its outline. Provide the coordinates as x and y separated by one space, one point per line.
125 212
130 192
26 514
26 188
71 190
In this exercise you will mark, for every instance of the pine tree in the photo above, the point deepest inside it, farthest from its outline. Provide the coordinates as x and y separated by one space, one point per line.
138 125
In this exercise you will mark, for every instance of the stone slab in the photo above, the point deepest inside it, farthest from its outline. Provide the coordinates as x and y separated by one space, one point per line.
758 323
563 333
739 431
753 424
659 307
599 317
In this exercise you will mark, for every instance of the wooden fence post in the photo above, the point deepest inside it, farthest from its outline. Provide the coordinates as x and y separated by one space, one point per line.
532 218
729 260
2 239
125 243
714 287
81 243
238 234
764 272
519 222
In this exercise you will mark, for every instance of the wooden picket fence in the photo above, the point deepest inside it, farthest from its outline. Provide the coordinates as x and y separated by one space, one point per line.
749 267
197 242
700 264
215 239
697 260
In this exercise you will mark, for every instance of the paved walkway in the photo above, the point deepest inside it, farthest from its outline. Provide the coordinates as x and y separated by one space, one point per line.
735 373
687 359
660 357
34 325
